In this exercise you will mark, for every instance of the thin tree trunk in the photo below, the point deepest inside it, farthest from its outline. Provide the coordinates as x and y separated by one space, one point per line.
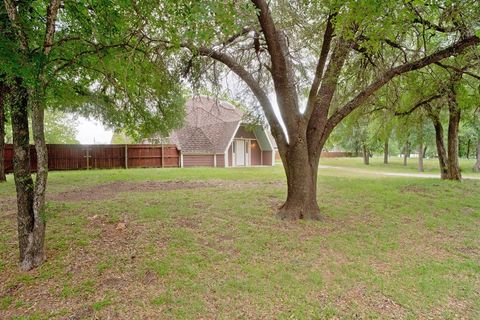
3 100
424 152
420 157
385 151
453 128
31 255
469 141
366 155
301 175
406 152
476 167
41 177
420 147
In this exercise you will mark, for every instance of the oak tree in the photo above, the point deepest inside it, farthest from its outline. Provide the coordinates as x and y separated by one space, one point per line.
311 58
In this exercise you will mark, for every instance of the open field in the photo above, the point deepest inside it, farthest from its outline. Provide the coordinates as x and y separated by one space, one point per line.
396 165
204 243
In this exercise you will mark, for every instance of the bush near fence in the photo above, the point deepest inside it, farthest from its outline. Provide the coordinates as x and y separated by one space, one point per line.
101 156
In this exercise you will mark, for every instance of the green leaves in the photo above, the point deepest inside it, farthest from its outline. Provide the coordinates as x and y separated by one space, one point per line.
101 63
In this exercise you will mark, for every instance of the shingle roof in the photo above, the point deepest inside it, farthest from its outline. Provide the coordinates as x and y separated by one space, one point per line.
209 126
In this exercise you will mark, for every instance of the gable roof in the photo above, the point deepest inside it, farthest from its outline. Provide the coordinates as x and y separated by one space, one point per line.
209 126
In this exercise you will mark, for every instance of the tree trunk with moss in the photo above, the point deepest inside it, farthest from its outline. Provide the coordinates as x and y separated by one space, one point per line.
31 226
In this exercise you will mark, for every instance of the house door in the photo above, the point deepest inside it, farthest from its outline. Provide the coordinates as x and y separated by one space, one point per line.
240 155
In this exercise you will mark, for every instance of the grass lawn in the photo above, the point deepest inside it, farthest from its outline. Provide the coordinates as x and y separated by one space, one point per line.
396 165
204 243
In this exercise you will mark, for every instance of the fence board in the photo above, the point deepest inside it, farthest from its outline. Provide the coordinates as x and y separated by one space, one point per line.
78 157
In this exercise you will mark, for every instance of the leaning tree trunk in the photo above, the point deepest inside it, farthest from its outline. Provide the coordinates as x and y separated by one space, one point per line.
3 97
441 151
385 151
301 174
31 252
366 155
476 167
453 128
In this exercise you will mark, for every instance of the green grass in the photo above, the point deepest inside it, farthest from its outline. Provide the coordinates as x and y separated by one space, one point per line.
389 247
395 164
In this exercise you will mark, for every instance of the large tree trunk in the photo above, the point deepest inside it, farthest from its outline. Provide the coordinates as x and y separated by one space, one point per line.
3 100
30 239
441 151
301 175
453 127
385 151
476 167
366 155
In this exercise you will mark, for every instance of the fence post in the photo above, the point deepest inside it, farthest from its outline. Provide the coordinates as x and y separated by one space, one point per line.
126 156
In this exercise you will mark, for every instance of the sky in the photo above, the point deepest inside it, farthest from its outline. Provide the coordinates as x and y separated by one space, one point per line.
92 131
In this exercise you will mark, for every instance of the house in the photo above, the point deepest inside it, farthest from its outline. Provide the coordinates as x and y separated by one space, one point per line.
214 136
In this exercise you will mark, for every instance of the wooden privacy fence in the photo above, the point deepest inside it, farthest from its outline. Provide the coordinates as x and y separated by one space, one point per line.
101 156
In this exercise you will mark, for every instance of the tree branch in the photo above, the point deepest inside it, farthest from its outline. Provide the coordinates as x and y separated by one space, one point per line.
12 16
251 83
433 26
461 71
327 39
244 31
279 63
282 73
50 25
353 104
319 114
418 105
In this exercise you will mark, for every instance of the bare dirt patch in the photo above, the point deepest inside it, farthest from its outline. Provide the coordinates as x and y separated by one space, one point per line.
366 300
7 205
414 189
106 191
109 190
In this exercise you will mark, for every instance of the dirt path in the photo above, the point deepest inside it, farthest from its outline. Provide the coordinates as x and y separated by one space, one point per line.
393 174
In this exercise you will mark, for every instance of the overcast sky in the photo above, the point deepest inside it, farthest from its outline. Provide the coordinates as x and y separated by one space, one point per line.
92 131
